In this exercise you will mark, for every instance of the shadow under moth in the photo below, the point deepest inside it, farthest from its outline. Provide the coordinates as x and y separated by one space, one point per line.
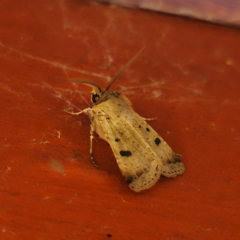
141 154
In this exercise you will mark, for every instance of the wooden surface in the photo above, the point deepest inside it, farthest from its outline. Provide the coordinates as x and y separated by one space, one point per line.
187 76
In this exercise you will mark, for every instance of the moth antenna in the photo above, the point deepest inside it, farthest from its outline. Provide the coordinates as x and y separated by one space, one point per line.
88 83
123 69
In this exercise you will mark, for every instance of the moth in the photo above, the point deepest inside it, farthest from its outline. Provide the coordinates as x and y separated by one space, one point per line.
141 154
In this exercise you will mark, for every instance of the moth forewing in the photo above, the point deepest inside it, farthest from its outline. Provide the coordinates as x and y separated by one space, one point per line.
172 165
140 166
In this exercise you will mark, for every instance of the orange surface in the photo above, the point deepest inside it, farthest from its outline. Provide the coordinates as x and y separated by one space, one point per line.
187 76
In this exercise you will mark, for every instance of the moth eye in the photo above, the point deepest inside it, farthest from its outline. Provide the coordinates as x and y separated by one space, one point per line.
95 97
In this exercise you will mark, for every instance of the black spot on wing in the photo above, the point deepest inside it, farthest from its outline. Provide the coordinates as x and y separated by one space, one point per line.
117 140
177 159
129 179
125 153
173 167
140 173
157 141
147 129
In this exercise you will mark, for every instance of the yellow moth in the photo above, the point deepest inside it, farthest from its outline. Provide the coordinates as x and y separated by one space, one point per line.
141 154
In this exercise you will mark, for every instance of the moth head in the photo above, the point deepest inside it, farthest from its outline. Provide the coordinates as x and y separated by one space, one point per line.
96 89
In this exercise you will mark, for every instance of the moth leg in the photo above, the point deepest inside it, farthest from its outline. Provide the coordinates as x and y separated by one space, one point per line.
78 113
149 119
91 147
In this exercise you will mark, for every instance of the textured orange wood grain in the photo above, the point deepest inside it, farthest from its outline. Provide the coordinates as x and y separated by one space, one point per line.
187 76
